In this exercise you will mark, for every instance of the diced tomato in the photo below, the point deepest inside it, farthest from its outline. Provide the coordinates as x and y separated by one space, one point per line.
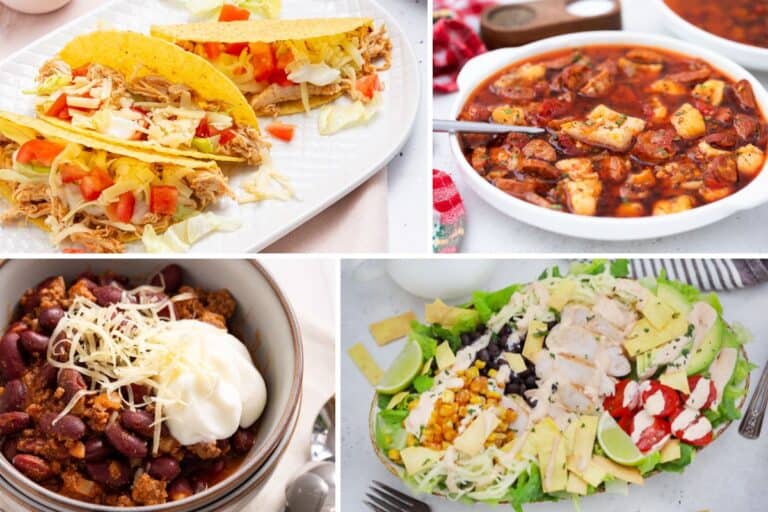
549 109
163 199
59 106
81 71
279 77
231 12
670 398
71 173
203 128
38 151
235 48
652 435
625 422
693 382
284 58
92 184
226 136
213 50
122 209
282 131
614 404
368 85
263 59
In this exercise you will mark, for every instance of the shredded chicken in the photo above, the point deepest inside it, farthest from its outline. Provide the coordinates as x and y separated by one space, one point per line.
151 87
32 199
53 67
208 186
102 240
246 144
275 94
377 45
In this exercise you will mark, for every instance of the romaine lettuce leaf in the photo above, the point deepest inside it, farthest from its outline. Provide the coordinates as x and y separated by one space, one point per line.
488 303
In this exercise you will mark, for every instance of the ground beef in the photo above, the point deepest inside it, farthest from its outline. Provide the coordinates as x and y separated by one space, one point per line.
148 491
82 288
205 450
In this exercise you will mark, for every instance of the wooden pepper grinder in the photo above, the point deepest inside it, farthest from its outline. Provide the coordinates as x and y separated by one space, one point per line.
507 25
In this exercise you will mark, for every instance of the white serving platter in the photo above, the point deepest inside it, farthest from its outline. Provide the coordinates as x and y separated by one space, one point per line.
322 169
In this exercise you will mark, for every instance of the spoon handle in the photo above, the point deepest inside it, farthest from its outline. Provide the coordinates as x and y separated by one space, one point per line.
753 419
446 125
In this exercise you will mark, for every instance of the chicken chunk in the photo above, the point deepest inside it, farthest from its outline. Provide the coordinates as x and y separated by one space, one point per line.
582 186
710 91
508 115
631 68
526 74
749 160
605 128
601 82
656 110
672 205
688 122
668 87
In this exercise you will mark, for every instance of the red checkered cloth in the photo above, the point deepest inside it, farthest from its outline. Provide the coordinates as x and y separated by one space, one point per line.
454 43
447 214
468 11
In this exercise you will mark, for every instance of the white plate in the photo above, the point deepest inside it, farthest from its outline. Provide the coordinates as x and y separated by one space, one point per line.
747 55
322 169
604 228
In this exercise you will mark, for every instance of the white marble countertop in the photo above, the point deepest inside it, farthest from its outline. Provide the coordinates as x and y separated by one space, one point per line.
728 475
490 231
408 178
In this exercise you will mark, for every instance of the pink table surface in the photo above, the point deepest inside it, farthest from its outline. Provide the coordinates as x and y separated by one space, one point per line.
357 223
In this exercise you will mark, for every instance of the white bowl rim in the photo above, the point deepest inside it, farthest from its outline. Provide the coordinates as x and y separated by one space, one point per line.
732 45
480 68
234 482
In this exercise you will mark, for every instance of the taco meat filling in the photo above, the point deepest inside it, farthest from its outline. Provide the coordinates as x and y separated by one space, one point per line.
98 200
294 72
147 108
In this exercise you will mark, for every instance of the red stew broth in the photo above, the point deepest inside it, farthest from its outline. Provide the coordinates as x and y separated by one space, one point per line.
629 96
744 21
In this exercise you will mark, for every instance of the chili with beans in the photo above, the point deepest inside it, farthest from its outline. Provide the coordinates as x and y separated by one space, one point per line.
99 452
630 132
744 21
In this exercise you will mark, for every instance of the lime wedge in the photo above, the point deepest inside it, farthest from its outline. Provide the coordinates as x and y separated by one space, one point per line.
616 444
402 371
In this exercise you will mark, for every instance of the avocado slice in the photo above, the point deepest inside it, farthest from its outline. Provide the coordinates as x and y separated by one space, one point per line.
703 355
673 298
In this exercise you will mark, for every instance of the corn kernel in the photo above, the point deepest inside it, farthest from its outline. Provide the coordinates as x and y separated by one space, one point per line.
410 440
476 399
491 373
393 454
448 396
479 365
472 373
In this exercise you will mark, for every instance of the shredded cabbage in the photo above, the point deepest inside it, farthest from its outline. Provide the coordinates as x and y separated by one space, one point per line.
210 8
51 84
180 236
334 118
316 74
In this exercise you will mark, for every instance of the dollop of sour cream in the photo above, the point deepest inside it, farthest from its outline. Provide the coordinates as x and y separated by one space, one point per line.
210 386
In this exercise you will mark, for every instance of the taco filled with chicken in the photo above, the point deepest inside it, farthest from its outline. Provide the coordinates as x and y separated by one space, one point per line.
145 93
93 195
289 66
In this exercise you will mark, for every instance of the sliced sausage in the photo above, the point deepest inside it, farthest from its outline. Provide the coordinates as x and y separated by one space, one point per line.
742 90
655 146
540 150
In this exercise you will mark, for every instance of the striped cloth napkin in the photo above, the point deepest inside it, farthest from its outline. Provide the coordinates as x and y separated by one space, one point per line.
705 274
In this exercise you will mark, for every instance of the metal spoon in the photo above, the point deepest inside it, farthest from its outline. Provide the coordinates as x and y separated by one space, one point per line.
307 493
753 419
445 125
323 445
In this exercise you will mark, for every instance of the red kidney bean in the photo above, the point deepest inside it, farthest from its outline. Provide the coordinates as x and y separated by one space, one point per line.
14 396
68 426
171 278
11 361
180 489
32 466
72 382
34 342
13 422
243 441
139 393
96 450
48 375
164 468
113 473
17 327
49 318
106 295
125 442
198 485
9 449
139 422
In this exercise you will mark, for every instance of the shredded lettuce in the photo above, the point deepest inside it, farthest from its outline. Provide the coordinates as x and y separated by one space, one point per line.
334 118
488 303
180 236
51 84
527 489
428 344
422 383
210 8
649 463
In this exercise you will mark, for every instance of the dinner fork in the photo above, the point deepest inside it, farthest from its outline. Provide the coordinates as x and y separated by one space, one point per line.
386 499
752 422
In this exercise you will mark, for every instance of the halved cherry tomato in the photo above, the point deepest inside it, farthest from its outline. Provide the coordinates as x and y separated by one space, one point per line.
235 48
92 184
700 441
233 13
264 61
81 71
614 404
226 136
59 106
282 131
213 50
625 422
122 210
652 434
163 199
668 395
38 151
693 381
71 173
368 85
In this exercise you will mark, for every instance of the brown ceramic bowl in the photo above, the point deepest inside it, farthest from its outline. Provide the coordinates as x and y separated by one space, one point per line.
264 321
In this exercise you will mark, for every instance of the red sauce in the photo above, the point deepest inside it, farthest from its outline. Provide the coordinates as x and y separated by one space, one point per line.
744 21
659 164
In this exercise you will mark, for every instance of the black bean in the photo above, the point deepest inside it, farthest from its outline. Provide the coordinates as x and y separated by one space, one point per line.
525 374
14 396
34 342
106 295
466 339
49 319
494 350
483 355
171 278
530 382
